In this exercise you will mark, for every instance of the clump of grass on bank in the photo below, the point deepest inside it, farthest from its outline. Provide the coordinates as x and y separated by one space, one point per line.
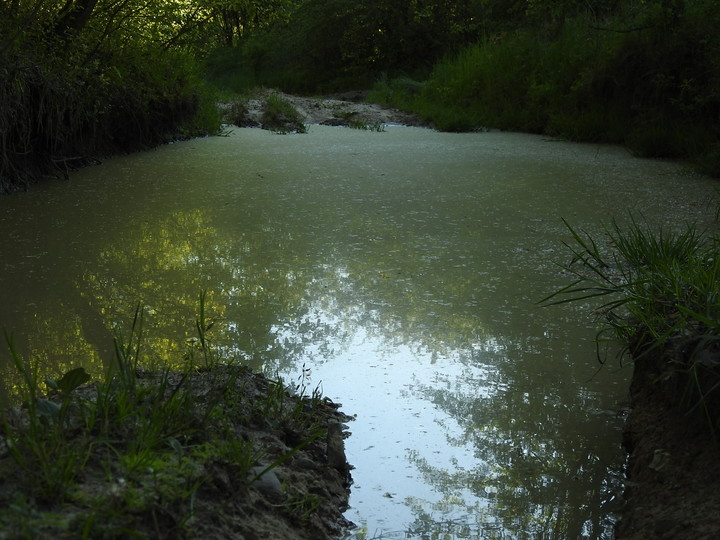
153 453
661 301
366 126
280 116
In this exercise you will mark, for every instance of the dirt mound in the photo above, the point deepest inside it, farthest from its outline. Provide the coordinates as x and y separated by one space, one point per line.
346 109
261 462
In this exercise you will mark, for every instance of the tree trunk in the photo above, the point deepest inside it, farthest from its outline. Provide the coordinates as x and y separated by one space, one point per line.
74 16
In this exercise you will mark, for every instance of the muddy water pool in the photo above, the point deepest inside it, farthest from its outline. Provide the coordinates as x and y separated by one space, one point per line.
398 272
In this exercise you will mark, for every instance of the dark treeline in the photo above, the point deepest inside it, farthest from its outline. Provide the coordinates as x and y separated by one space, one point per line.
82 78
327 45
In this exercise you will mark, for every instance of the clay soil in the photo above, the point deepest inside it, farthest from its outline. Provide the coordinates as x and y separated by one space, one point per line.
673 474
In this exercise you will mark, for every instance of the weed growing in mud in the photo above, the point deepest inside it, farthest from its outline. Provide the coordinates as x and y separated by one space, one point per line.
661 293
42 448
292 412
202 345
303 506
373 126
144 453
351 120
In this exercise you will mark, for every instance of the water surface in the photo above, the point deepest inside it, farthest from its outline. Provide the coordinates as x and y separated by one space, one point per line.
399 272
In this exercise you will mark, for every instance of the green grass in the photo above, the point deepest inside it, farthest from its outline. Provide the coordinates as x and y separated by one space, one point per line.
659 294
365 126
129 455
280 116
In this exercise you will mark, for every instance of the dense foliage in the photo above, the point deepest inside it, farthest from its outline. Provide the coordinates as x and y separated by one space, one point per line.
88 77
342 44
645 74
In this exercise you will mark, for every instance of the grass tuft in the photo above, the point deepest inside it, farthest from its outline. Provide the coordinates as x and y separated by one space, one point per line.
660 298
280 116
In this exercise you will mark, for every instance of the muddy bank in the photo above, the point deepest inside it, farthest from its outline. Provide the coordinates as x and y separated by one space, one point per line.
253 461
673 471
346 109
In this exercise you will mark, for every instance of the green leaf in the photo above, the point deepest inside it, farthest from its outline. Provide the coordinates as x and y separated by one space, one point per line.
175 445
47 408
72 379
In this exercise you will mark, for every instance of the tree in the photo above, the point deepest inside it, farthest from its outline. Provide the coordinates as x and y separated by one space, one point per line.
74 15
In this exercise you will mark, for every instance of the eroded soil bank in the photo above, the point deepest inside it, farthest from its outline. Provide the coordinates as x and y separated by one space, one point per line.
673 472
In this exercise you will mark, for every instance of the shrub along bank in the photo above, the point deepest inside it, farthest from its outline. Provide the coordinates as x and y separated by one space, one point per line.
56 115
646 76
72 91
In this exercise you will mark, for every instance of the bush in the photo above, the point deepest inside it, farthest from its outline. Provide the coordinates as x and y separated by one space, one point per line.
661 301
280 116
646 78
56 114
